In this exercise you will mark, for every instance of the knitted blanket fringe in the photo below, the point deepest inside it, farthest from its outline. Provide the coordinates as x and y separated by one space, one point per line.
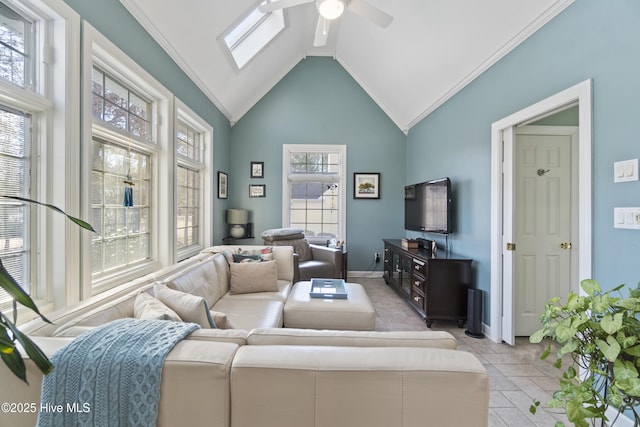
111 375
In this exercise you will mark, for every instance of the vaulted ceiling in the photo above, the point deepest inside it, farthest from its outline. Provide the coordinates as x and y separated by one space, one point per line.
430 51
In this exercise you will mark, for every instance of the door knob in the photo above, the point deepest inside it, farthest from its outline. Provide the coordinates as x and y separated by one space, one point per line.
565 245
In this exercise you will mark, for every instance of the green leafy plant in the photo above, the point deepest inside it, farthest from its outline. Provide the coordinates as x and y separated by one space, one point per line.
10 335
599 336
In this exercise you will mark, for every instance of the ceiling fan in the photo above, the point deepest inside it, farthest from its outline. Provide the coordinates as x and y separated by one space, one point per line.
332 9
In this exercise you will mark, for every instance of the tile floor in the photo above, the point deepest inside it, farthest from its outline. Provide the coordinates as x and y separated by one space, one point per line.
517 376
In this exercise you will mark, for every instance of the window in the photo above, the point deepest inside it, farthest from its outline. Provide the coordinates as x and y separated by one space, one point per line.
15 178
129 188
314 190
188 186
194 183
39 141
251 34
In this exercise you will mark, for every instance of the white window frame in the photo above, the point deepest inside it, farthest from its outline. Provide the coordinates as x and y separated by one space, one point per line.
288 176
186 115
98 50
54 102
255 38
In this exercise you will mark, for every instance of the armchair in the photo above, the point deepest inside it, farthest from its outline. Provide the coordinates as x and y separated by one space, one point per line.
309 260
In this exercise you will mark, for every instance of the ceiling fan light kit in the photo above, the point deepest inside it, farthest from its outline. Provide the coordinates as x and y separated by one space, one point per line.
330 9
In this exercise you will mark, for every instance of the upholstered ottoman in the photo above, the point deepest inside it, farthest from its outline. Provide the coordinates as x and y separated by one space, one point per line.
355 313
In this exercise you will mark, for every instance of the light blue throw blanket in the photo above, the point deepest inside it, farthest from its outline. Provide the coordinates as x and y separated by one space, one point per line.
110 376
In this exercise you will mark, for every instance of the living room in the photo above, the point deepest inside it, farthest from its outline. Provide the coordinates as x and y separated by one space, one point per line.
319 102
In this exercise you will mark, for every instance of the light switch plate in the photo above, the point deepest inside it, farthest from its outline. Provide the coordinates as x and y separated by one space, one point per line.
625 170
628 218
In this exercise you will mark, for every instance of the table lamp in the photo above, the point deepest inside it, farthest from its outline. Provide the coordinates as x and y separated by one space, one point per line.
237 218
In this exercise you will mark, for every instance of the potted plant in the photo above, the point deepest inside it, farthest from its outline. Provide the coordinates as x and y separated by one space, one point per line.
599 336
10 334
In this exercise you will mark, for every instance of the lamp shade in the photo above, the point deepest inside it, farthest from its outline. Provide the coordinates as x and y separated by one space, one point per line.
237 216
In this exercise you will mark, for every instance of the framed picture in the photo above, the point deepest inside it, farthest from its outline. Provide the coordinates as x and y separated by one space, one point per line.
366 185
257 190
257 169
222 185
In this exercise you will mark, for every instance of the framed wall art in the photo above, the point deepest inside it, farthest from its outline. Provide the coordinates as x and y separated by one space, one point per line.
223 185
257 169
366 185
257 190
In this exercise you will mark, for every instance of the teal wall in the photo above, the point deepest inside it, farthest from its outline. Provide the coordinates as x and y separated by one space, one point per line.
116 23
318 102
590 39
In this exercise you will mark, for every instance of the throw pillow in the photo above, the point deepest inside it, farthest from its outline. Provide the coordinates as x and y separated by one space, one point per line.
146 307
220 319
247 277
189 307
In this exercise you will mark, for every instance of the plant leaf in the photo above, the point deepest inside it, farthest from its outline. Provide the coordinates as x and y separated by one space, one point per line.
33 351
14 362
6 345
78 221
611 324
610 349
590 286
9 284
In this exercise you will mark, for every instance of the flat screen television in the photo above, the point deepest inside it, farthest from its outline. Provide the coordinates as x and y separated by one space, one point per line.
427 206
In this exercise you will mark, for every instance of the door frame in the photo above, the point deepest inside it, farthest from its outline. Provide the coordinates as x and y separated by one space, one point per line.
501 260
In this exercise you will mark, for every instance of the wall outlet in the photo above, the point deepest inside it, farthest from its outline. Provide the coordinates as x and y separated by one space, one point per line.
376 257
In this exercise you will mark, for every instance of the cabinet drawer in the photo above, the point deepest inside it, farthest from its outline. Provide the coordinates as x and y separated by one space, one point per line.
417 299
419 283
420 267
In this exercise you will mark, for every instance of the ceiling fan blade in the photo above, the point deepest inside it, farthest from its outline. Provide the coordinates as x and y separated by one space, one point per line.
372 13
322 32
281 4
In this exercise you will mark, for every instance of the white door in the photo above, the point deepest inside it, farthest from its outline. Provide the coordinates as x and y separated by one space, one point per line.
544 221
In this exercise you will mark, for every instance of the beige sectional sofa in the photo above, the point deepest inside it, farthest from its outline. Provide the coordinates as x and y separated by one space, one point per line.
260 374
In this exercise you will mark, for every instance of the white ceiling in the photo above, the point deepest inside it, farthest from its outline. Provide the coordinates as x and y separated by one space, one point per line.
431 50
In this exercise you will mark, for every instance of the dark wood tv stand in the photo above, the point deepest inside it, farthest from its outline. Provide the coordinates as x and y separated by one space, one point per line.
435 287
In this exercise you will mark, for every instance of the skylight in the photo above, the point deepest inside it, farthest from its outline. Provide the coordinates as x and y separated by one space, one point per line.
251 34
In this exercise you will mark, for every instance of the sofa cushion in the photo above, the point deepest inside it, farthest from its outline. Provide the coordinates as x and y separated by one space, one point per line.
200 279
146 307
254 277
190 308
250 313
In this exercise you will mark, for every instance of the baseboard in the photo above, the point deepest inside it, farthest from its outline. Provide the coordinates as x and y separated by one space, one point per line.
366 274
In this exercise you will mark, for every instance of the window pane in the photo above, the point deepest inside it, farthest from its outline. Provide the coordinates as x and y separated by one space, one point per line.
119 106
188 142
16 48
15 147
123 230
188 201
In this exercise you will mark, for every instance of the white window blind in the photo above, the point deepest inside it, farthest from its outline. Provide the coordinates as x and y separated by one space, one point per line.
15 179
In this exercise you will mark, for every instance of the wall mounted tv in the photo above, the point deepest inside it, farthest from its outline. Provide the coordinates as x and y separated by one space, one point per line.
427 206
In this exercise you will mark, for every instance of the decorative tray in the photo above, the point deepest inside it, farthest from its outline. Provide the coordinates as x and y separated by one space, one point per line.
328 288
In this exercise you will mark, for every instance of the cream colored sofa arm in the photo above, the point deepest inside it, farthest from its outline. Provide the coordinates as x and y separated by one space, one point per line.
194 389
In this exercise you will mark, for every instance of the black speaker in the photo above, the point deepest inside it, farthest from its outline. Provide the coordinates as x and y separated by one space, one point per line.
474 314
